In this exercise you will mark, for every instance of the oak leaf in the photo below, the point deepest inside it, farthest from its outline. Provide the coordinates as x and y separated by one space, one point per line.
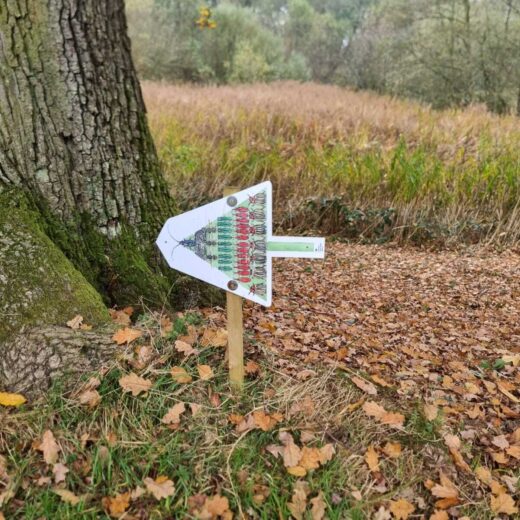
298 504
173 416
126 335
431 412
310 458
392 449
134 384
372 459
503 503
60 472
318 507
185 348
180 375
75 323
446 488
49 447
90 398
326 453
67 496
484 475
117 506
500 457
214 338
393 419
401 509
252 368
119 316
265 421
216 506
439 515
205 372
161 487
380 381
373 409
291 453
514 451
497 488
452 441
500 441
364 385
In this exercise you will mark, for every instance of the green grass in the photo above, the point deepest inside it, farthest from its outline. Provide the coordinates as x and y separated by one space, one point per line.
112 448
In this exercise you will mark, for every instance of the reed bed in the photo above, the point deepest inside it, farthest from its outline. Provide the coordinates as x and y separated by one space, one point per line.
346 163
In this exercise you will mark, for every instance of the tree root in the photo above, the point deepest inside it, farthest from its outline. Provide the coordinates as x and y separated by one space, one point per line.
36 356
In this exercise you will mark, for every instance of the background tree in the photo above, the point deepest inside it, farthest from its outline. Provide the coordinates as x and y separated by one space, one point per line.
444 52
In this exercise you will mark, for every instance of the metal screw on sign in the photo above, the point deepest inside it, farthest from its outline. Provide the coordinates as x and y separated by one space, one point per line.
229 243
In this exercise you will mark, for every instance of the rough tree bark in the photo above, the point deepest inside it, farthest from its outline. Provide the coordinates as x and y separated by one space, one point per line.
73 127
77 162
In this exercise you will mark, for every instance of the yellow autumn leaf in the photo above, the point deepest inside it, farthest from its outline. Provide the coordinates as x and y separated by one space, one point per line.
7 399
297 471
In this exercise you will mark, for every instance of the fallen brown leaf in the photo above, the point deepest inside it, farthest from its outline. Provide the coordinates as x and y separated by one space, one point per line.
116 506
49 447
401 509
134 384
173 416
372 459
205 372
503 503
161 487
364 385
126 335
180 375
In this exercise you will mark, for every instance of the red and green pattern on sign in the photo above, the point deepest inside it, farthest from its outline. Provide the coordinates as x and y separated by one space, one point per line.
236 243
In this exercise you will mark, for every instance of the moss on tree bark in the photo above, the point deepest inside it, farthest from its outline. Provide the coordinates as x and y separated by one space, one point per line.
38 284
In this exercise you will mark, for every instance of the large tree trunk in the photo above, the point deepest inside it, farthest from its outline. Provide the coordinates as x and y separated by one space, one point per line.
78 164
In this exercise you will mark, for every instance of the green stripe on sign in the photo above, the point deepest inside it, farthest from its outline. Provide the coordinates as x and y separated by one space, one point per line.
302 247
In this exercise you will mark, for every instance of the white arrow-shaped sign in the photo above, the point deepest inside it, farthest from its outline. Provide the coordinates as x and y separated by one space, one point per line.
228 243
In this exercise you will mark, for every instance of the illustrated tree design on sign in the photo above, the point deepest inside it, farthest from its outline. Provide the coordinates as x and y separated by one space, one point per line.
229 243
235 243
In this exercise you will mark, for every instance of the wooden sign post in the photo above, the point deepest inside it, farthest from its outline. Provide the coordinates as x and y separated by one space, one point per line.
229 243
235 328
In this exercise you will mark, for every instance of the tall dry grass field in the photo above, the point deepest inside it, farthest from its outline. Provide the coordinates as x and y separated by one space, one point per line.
348 163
